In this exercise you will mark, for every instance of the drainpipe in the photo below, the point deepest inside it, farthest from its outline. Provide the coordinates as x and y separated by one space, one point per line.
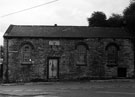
134 54
6 73
133 41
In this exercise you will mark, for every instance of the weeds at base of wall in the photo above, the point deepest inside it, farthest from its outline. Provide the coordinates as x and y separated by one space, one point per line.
78 79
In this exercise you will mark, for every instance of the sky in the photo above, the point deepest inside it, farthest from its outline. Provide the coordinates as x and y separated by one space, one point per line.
60 12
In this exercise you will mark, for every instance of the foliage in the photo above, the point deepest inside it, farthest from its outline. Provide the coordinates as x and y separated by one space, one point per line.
1 52
129 17
97 19
116 20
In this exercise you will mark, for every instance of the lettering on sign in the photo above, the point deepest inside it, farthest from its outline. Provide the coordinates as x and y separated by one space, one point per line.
54 42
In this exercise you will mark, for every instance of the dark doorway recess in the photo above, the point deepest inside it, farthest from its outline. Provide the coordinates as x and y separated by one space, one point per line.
122 72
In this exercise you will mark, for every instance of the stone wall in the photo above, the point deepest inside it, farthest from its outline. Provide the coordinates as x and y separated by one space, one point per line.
66 52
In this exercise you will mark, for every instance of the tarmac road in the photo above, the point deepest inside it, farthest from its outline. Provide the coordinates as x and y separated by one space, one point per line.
69 89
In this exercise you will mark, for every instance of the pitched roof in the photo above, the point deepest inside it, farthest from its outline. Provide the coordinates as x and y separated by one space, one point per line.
65 32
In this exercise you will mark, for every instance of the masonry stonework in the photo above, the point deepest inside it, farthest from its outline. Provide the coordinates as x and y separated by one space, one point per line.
96 65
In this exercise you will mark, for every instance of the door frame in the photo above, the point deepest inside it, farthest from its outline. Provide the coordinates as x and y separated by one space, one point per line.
57 58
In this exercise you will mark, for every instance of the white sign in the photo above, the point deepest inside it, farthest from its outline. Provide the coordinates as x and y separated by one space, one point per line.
1 60
54 42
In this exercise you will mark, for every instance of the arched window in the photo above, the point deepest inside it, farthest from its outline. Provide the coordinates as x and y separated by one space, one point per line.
26 51
112 55
81 55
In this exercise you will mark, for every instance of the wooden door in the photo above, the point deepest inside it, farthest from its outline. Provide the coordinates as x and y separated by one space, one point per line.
53 68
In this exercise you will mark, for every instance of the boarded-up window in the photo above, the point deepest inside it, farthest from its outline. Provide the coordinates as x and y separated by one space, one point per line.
26 53
112 55
81 55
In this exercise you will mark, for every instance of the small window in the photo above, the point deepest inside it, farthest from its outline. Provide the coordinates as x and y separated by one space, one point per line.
81 55
26 54
112 55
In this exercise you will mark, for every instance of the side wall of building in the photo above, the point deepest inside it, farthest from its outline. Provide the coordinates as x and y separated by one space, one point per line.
66 52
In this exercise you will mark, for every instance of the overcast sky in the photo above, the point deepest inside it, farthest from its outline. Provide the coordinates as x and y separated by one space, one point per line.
61 12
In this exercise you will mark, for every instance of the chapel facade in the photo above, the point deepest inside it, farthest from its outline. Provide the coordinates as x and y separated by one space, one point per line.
67 53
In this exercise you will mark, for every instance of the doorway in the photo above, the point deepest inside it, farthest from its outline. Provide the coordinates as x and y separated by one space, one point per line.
53 68
122 72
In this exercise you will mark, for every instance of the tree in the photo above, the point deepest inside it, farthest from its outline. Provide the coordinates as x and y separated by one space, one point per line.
132 1
1 51
116 20
97 19
129 17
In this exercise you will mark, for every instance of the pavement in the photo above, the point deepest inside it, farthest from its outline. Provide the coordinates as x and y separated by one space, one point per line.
94 88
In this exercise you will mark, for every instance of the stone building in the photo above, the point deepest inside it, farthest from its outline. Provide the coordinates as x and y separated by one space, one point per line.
67 53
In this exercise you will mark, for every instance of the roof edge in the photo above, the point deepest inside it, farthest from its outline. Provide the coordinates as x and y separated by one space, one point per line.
8 31
62 26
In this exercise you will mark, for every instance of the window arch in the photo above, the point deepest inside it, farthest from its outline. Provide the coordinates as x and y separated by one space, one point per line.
112 54
81 54
26 51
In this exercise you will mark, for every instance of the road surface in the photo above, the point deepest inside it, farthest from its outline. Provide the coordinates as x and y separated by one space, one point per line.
69 89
